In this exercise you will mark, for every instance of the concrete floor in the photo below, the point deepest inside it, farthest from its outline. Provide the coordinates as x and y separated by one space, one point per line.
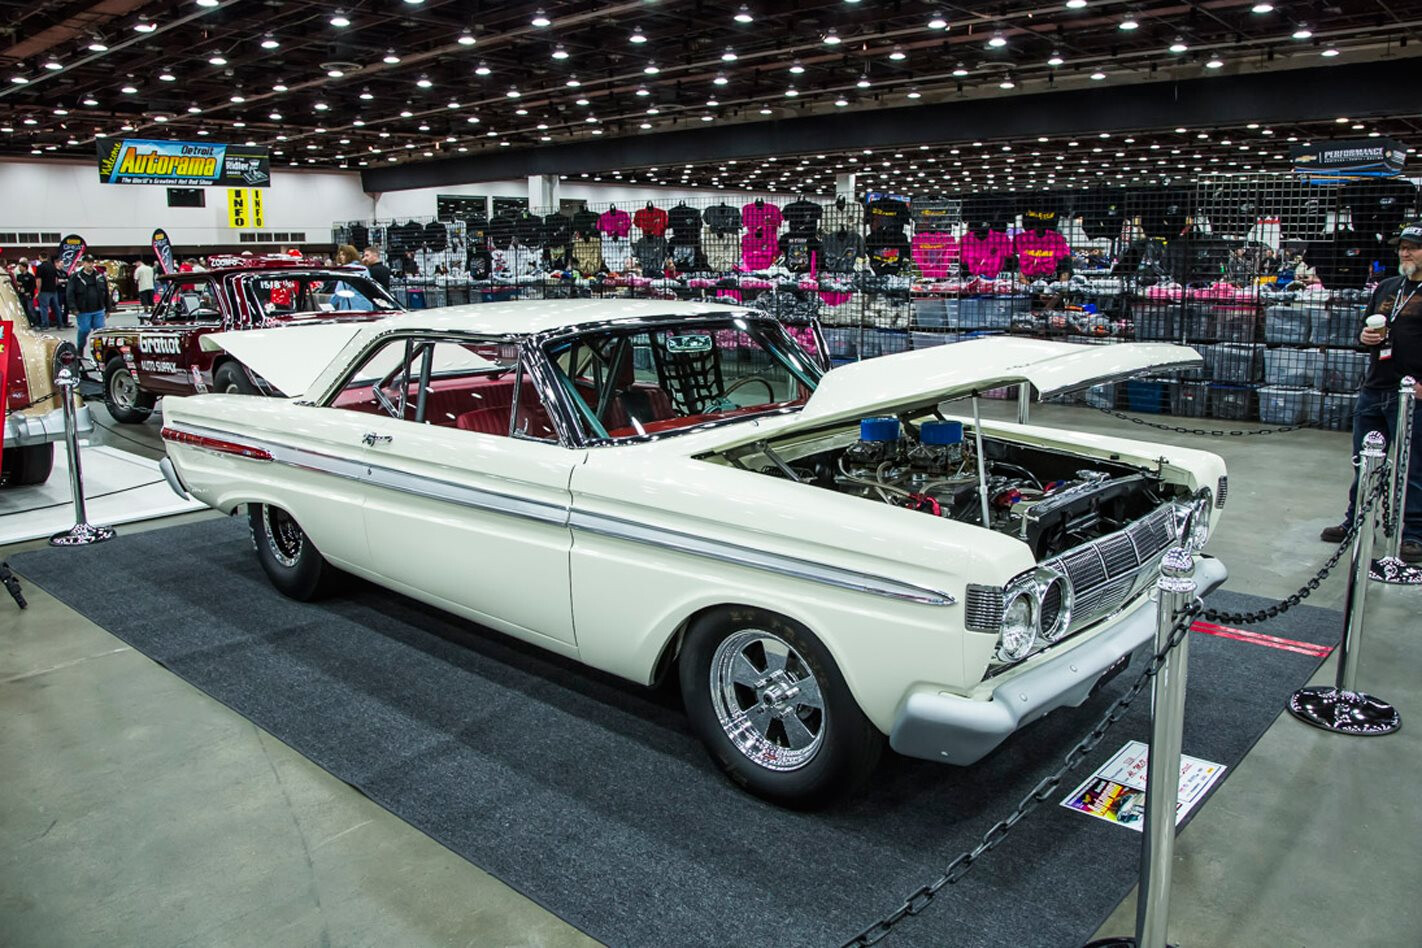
135 810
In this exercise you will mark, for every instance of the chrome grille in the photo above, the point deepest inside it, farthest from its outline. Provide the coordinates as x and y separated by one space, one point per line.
983 612
1107 573
1223 491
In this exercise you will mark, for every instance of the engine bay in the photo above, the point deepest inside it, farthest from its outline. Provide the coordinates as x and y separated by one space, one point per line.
1051 499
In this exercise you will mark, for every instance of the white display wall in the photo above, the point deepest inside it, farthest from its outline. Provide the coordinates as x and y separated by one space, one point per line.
67 197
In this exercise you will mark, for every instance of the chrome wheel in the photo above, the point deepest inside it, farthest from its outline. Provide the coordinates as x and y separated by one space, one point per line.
767 700
284 538
123 390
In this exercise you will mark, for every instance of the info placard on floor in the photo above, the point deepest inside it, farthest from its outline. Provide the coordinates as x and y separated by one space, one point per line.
1117 791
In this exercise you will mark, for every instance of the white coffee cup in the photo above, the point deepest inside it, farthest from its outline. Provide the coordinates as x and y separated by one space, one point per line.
1378 323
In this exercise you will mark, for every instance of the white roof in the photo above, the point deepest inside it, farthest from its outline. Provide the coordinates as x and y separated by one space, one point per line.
531 316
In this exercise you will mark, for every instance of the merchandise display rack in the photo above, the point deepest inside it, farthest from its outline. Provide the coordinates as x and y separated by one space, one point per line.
1205 263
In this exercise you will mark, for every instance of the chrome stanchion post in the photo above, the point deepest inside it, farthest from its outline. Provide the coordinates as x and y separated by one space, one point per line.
1024 400
1391 568
1175 591
82 532
1342 708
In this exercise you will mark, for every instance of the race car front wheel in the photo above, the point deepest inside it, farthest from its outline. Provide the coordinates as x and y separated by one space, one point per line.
124 399
765 697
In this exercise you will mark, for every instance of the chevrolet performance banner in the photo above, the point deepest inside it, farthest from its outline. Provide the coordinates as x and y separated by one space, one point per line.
1326 162
163 250
71 249
141 161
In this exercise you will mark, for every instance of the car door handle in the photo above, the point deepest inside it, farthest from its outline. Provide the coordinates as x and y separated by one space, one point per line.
370 438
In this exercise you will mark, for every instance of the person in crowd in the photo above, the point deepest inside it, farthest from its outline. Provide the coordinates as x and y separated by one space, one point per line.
1239 269
343 294
25 285
48 314
1304 274
143 279
1394 352
376 267
89 299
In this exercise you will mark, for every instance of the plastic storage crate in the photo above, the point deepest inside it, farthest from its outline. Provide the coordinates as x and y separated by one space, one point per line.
1343 370
995 312
1287 404
1232 402
934 313
1102 396
1301 368
1190 399
1238 362
1286 324
1336 325
842 343
1150 396
1236 323
1335 411
1156 321
1198 322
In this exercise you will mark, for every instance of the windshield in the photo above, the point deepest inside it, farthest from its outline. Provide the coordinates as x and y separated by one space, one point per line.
278 292
626 383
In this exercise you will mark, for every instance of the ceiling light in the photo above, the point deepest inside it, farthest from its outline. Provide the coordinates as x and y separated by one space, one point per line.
797 67
960 70
898 54
642 91
743 15
1098 75
766 110
390 59
275 116
320 106
915 94
279 87
1006 83
559 52
482 69
1075 4
424 82
573 82
366 94
97 44
831 38
998 41
128 88
841 102
1055 60
1330 52
64 111
792 92
1214 63
583 102
1262 8
335 73
91 101
720 79
1302 32
712 103
540 19
217 59
729 56
207 3
270 42
513 92
167 76
1129 23
937 22
145 26
651 69
1178 46
340 20
466 39
637 35
53 64
194 109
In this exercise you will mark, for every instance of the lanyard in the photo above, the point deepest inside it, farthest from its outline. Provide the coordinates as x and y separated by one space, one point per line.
1400 303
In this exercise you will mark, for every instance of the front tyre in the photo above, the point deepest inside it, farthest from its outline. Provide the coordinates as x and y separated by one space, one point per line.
767 700
288 557
231 380
129 404
28 465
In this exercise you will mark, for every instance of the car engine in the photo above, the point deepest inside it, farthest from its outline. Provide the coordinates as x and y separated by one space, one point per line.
1051 500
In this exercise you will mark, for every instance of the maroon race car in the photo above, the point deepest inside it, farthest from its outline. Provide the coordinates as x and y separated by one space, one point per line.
164 356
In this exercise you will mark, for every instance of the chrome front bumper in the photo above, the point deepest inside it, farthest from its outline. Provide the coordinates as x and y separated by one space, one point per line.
957 730
21 431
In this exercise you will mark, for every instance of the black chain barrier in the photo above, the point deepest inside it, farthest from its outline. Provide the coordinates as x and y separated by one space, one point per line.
1041 793
1047 788
1211 432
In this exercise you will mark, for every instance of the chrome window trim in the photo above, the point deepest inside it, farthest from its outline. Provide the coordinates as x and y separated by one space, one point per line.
564 516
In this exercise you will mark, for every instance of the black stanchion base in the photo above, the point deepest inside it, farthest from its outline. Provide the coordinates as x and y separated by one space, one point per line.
82 534
1395 572
1344 712
12 585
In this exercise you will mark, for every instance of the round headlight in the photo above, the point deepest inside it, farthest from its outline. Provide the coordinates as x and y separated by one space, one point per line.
1196 530
1019 627
1056 608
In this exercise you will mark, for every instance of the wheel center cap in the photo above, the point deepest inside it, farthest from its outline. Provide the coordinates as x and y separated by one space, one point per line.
778 691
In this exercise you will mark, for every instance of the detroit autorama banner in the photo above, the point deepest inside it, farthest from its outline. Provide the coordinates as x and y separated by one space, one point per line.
143 161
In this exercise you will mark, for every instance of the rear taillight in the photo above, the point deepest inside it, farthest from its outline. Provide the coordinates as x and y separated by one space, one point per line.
219 445
17 382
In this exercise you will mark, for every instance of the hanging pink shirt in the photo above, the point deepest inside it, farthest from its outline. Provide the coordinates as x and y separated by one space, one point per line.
934 253
759 248
984 256
615 223
1039 252
765 215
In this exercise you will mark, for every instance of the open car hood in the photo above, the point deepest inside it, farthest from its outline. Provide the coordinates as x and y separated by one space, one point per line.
918 380
290 358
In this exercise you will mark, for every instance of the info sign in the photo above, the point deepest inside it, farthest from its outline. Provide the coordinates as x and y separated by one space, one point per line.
143 161
71 252
1325 162
245 208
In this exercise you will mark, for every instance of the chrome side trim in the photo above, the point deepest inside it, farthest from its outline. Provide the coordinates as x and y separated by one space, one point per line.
171 476
617 528
599 524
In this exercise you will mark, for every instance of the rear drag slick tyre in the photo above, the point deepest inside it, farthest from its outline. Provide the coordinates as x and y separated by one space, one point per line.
288 557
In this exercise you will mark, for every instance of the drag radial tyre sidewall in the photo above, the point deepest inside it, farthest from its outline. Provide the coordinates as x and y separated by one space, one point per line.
231 379
850 746
142 401
308 576
28 465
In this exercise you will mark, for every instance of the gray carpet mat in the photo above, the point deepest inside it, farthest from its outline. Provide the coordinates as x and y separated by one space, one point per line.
590 795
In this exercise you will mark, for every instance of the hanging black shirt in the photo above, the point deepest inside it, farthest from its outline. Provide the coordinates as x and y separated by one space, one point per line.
936 215
1302 217
887 214
723 219
888 251
584 223
840 249
557 229
436 236
360 236
1233 208
796 250
1380 207
684 222
1040 211
1401 302
803 217
528 228
1102 213
1163 213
